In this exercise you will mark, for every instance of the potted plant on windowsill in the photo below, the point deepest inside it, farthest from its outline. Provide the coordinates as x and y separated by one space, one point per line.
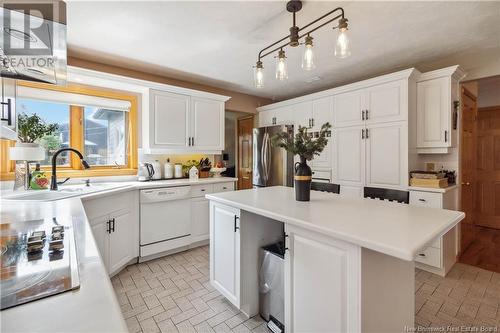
306 145
30 130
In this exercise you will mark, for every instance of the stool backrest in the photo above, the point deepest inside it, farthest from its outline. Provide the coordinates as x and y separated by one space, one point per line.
387 194
325 187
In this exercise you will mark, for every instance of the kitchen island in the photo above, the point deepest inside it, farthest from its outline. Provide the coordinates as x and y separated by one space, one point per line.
348 265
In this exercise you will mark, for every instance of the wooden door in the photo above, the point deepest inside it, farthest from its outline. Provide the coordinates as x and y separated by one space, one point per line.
245 150
207 121
487 195
347 108
169 123
321 283
386 155
468 166
225 251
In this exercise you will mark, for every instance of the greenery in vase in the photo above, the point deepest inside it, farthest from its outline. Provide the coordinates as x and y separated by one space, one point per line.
32 128
303 143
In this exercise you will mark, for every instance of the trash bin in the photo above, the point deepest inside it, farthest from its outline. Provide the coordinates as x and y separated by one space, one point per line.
271 286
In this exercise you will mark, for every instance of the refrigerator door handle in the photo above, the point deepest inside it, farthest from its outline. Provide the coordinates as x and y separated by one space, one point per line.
268 157
264 156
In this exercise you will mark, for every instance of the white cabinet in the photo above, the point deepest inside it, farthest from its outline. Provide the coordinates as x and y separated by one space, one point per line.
349 156
170 121
321 289
200 219
439 256
386 155
348 108
225 251
303 114
115 225
386 102
322 112
207 121
183 123
280 116
437 92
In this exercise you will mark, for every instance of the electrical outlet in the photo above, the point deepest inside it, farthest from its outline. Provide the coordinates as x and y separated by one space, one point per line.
430 166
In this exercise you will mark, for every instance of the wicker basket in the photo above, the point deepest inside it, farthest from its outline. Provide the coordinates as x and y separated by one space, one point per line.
204 174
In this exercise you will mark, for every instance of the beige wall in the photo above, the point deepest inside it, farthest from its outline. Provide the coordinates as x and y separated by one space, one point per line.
239 102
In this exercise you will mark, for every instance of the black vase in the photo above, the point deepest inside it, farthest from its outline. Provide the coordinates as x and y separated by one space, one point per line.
303 176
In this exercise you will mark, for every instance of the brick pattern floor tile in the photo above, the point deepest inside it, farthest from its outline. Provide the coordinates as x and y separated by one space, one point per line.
173 294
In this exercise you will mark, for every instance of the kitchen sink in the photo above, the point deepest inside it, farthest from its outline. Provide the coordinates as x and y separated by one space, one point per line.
64 192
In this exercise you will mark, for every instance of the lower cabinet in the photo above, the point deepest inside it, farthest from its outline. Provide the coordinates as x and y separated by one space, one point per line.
114 223
225 251
200 219
321 280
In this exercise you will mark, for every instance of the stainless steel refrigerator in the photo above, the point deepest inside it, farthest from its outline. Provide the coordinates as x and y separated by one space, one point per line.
271 165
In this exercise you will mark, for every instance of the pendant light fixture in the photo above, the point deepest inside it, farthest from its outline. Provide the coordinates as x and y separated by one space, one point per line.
293 39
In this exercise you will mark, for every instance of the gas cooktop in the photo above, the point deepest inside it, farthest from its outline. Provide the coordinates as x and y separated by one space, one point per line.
38 259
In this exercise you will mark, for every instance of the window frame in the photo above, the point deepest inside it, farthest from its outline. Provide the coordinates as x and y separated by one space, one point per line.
77 132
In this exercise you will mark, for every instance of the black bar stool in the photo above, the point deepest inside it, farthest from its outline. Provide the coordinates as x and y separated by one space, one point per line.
387 194
325 187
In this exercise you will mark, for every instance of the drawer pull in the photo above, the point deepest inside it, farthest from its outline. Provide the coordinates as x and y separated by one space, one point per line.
423 200
422 255
224 188
203 190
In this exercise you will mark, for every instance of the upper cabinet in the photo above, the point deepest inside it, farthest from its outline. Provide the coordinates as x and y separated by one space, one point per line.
437 113
348 108
279 116
183 123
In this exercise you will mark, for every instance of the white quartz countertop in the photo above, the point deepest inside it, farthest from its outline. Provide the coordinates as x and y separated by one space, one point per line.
93 307
398 230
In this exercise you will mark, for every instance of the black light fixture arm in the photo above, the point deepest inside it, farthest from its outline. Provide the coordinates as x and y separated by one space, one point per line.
339 16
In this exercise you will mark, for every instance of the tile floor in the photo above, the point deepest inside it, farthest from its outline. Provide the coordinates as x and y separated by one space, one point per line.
173 294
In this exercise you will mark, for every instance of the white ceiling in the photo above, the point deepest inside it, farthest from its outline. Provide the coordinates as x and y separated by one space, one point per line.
217 43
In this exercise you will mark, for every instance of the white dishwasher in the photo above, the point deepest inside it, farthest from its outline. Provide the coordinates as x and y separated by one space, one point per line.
165 219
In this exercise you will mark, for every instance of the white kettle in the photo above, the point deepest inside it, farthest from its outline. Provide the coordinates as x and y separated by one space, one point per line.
145 172
157 169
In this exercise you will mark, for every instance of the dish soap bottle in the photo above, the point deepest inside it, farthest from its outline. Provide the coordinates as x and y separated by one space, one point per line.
39 180
169 169
193 173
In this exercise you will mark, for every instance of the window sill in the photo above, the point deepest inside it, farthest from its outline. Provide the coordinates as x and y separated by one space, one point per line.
81 173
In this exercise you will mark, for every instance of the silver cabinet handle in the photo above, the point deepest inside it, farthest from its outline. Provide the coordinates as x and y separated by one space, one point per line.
423 200
362 114
422 255
366 134
363 134
366 115
445 136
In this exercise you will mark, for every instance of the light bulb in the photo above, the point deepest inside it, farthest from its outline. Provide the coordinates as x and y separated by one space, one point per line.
342 49
281 72
308 56
258 75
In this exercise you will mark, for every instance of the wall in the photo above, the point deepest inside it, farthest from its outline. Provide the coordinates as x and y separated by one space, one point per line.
239 102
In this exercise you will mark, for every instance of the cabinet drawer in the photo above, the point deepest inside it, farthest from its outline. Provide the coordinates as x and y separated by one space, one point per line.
426 199
201 190
223 187
429 256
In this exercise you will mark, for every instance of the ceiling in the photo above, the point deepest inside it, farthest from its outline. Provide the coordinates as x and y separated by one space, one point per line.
217 43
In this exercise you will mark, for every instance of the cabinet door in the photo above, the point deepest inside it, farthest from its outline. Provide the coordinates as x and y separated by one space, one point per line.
284 115
324 160
99 228
347 108
169 122
322 110
322 283
266 118
386 102
348 149
121 241
207 120
386 156
225 251
302 115
433 122
200 219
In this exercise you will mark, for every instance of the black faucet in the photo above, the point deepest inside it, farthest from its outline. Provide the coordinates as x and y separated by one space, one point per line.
53 180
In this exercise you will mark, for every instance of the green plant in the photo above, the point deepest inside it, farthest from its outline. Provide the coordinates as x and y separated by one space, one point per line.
32 128
303 144
189 164
50 142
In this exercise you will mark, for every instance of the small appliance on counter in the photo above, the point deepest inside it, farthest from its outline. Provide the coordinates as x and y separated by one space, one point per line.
169 169
157 170
145 172
38 260
178 171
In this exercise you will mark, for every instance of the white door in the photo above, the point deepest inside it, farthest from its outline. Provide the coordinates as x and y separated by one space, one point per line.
207 121
322 110
266 118
432 113
121 241
200 219
386 156
347 108
348 150
169 123
302 114
225 251
100 229
385 102
322 283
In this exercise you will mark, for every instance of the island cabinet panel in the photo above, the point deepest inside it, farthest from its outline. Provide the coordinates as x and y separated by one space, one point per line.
225 251
322 283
